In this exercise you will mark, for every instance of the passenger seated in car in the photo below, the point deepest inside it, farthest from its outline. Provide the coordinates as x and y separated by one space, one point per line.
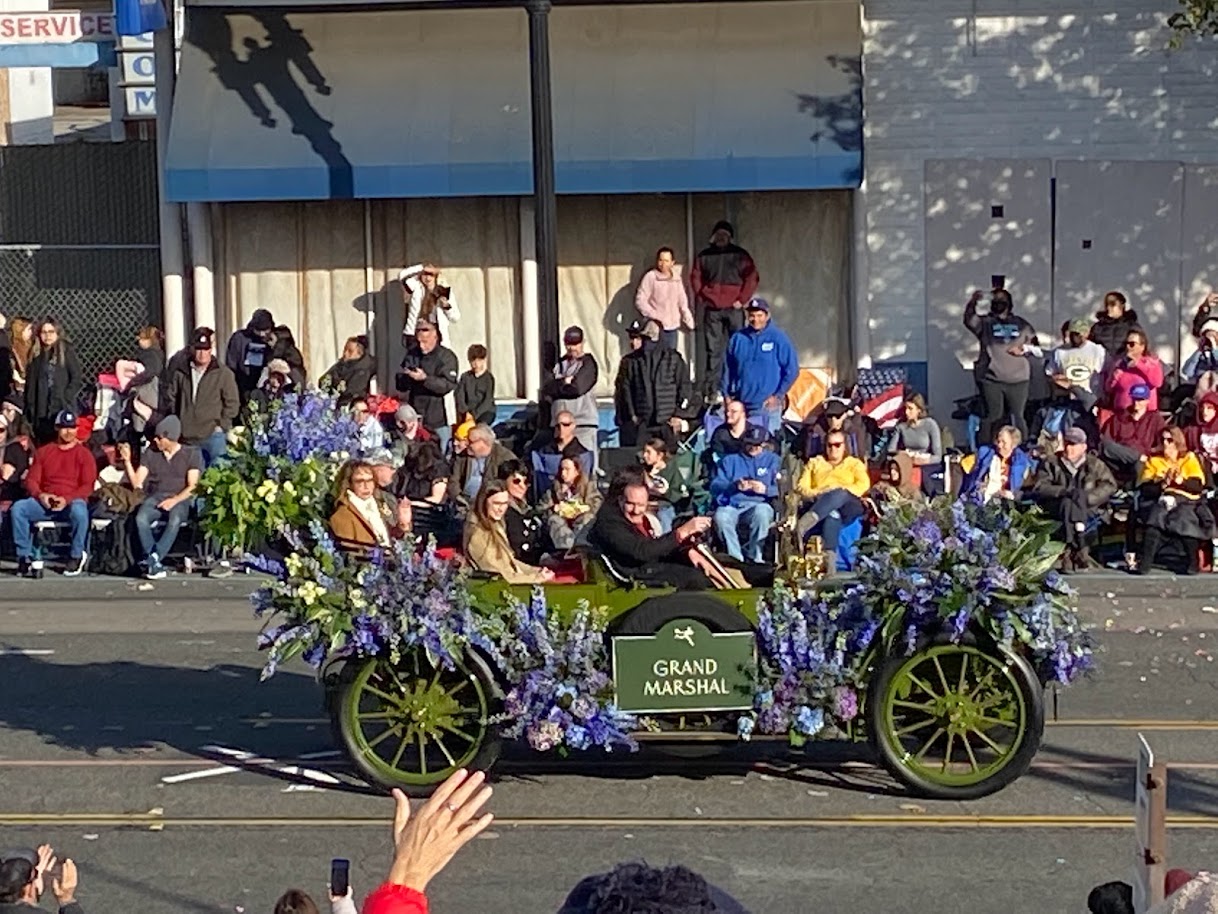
363 519
486 541
571 504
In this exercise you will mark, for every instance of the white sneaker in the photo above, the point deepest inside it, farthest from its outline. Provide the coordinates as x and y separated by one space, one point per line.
77 567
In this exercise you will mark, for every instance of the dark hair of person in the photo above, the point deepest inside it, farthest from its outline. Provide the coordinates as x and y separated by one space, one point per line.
659 445
510 468
55 353
1115 294
295 901
15 875
636 887
424 458
1111 898
476 351
1004 295
1141 336
919 403
623 479
666 250
478 514
154 334
361 342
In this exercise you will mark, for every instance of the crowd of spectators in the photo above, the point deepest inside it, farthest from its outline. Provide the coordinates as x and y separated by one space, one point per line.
1089 430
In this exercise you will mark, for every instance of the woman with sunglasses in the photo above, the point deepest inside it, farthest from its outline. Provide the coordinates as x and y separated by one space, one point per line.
363 517
1171 490
486 543
525 529
1137 366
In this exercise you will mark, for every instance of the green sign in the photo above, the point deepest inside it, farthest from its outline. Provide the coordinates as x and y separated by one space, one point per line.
684 667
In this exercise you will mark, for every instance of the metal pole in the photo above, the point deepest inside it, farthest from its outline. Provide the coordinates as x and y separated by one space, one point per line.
173 299
543 180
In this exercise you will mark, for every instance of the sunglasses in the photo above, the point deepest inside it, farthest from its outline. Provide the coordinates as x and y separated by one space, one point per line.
566 424
837 444
1129 343
518 479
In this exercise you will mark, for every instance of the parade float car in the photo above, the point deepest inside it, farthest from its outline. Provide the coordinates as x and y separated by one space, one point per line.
955 719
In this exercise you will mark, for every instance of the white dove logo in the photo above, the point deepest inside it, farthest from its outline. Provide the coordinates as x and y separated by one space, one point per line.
684 634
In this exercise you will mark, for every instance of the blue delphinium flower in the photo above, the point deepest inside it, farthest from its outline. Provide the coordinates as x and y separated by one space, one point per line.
809 721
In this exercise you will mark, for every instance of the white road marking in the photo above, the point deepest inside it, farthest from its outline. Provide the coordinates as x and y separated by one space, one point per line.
253 763
25 651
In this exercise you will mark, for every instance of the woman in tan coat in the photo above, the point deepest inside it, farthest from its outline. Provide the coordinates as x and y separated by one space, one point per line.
486 542
362 518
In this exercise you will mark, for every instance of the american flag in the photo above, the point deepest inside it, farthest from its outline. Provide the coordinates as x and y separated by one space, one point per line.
882 391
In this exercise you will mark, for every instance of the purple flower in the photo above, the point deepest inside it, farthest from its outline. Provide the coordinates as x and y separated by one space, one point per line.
845 703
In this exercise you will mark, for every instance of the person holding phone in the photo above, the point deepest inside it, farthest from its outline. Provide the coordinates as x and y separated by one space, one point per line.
1003 370
23 876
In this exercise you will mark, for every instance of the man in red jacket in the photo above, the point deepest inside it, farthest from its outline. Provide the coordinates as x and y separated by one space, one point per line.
722 279
59 482
1129 436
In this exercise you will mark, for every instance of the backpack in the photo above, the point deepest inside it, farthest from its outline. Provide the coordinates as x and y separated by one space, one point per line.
112 547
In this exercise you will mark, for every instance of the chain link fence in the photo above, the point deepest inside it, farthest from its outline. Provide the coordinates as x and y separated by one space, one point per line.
102 295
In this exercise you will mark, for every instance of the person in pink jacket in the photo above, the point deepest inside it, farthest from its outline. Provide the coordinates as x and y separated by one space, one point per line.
1136 366
662 298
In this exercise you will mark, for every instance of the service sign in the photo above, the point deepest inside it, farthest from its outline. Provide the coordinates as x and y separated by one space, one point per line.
55 27
684 668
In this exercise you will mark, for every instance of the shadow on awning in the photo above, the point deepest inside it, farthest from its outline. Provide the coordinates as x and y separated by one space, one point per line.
274 105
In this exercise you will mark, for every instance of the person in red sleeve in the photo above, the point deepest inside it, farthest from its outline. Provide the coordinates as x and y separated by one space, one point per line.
423 844
1130 435
59 482
723 278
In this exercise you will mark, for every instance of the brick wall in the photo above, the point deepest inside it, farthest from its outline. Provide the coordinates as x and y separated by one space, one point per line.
1015 79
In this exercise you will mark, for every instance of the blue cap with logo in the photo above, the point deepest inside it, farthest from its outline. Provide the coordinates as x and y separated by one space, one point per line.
758 304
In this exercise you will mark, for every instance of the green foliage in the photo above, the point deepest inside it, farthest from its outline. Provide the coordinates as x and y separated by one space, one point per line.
1194 18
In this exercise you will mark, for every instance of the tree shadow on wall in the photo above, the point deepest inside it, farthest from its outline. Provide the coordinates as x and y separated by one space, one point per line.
270 66
839 118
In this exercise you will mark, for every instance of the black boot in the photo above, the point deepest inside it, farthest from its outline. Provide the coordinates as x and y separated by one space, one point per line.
1194 559
1151 540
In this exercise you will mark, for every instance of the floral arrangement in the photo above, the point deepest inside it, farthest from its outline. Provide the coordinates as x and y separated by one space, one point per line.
561 695
952 568
278 471
395 602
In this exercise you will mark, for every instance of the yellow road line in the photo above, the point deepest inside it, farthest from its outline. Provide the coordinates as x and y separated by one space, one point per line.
848 821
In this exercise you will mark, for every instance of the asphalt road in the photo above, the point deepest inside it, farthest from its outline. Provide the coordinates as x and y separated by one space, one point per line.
119 707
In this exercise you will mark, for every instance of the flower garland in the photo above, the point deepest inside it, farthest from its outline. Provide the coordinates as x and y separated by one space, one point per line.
561 694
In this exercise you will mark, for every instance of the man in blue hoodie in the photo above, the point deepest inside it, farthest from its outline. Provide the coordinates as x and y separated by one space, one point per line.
743 488
760 366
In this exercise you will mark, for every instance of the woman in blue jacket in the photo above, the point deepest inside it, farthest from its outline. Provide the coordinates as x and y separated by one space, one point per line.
1001 469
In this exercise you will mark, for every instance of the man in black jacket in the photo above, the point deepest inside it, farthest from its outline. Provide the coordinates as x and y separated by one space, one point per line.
22 881
203 394
630 540
652 391
1112 325
428 375
251 349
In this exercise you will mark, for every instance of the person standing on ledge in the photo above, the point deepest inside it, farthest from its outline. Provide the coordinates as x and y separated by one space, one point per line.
723 278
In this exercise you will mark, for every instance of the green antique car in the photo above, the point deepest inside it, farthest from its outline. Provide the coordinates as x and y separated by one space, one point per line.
951 721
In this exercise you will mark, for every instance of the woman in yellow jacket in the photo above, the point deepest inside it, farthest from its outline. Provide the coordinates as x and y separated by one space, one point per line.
1173 483
832 488
486 541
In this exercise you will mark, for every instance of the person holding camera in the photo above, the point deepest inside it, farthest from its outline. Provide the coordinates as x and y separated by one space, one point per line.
428 375
427 299
1003 370
23 877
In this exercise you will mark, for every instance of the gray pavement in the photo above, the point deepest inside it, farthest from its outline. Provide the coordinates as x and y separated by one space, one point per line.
119 706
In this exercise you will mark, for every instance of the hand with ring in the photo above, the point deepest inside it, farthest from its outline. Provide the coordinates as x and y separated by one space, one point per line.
426 841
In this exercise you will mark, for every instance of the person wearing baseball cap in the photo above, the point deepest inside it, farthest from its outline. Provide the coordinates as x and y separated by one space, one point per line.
1076 368
760 366
652 394
167 474
59 482
571 389
251 349
1129 436
722 278
203 394
1073 487
744 488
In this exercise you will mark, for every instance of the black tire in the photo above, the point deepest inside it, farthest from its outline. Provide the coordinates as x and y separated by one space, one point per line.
481 755
896 758
652 615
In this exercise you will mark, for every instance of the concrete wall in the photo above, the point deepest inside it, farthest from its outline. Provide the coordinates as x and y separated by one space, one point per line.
1000 81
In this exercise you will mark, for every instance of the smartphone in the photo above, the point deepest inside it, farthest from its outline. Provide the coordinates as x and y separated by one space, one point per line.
340 877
